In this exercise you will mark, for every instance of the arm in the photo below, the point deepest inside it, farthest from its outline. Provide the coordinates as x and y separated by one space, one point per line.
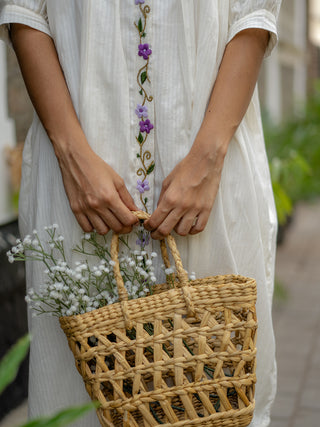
97 194
189 191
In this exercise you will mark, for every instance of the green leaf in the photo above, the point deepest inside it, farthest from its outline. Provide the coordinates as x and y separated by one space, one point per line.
282 201
150 168
63 417
143 35
145 199
138 155
140 91
143 77
140 27
140 138
10 363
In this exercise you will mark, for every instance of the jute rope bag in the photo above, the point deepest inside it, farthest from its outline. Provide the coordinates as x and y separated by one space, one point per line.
183 356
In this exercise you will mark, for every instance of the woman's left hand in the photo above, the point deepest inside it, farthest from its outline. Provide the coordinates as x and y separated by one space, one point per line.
187 195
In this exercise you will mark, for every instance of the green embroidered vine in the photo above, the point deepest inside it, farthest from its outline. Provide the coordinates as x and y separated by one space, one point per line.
145 126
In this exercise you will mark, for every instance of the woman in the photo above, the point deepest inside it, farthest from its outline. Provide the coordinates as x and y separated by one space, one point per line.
199 165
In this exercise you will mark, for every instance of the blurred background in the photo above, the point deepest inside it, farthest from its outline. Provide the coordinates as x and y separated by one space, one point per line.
289 88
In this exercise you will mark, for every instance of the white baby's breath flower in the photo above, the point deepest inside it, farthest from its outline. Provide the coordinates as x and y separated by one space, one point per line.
153 254
55 226
27 240
192 276
58 286
148 262
169 271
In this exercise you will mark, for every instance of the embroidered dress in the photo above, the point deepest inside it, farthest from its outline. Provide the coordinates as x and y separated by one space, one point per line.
102 49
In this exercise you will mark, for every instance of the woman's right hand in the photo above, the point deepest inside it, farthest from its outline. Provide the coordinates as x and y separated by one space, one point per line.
98 196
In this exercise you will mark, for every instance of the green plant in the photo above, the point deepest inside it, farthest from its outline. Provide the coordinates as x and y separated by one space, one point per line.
294 154
10 363
9 366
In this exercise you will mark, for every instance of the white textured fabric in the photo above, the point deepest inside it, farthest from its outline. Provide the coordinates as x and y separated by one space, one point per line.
97 46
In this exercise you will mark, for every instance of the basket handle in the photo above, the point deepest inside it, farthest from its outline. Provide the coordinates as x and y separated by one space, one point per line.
181 273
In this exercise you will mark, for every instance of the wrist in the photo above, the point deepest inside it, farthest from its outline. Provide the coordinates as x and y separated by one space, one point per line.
70 144
210 147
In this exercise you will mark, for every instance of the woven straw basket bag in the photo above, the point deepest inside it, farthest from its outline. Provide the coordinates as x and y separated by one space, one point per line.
183 356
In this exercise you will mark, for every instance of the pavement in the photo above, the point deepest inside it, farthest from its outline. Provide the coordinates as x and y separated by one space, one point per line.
296 321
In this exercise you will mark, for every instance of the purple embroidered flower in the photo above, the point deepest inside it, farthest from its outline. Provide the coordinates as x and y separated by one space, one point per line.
145 126
142 186
143 240
139 1
144 50
141 111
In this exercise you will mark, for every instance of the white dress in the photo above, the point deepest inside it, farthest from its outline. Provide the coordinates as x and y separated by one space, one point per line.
97 43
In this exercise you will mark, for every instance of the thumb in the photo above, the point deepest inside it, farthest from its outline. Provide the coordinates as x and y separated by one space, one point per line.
127 199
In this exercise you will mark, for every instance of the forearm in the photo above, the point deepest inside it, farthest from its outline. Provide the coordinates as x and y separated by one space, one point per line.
232 92
98 196
189 191
47 88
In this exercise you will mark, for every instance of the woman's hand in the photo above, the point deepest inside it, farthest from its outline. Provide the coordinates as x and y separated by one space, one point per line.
98 196
187 195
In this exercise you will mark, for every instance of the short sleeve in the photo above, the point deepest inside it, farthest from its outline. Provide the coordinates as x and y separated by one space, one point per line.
262 14
32 13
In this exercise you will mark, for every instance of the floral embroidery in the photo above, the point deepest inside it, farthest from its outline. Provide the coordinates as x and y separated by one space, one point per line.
144 51
142 186
145 125
143 238
141 111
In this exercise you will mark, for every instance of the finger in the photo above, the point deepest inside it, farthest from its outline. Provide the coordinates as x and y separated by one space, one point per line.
113 222
157 218
84 223
167 225
200 223
163 190
123 215
186 223
126 198
98 224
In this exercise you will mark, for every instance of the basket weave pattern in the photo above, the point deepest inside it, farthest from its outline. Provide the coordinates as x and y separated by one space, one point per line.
179 357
